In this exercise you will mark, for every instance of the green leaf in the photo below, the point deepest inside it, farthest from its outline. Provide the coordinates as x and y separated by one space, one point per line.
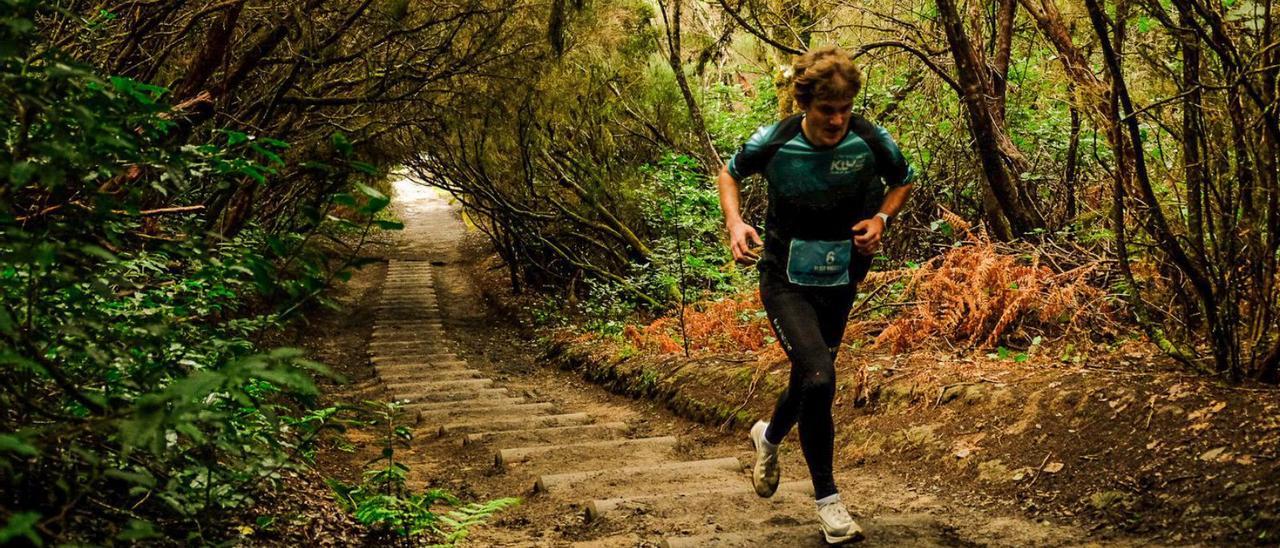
365 167
98 252
7 324
377 200
235 138
138 530
22 525
271 157
390 225
341 143
14 444
137 478
21 172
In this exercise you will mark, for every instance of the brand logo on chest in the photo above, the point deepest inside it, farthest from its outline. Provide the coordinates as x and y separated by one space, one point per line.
846 164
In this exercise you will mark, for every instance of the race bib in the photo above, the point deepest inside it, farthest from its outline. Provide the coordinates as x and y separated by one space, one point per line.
819 263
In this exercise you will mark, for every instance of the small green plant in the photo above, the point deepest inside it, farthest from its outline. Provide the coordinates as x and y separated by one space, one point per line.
384 501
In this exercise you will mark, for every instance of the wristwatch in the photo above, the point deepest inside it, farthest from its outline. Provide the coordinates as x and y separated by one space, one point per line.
884 217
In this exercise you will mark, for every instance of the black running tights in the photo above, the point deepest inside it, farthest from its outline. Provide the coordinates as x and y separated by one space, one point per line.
809 323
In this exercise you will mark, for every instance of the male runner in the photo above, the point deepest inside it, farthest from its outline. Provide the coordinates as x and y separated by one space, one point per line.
826 170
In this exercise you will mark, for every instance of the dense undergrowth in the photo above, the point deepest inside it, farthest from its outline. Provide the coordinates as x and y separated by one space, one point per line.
134 402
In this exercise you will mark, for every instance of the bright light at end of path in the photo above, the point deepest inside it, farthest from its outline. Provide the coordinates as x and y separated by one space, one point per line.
410 193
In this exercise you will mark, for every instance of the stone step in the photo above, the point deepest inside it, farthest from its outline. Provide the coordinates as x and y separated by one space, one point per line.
416 310
410 329
403 369
405 323
403 345
441 360
471 404
711 496
468 394
426 374
410 300
641 480
419 312
418 359
413 311
440 386
408 338
549 436
464 413
459 428
391 327
585 455
409 307
389 348
403 327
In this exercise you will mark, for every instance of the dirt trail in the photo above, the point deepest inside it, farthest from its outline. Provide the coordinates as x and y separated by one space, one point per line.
595 469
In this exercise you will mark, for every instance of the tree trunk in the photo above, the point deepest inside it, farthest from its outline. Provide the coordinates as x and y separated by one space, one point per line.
217 42
1000 160
710 158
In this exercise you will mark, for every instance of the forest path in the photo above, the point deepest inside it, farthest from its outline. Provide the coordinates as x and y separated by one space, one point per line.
594 468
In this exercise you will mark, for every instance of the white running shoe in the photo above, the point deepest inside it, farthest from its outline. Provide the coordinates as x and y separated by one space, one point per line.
764 476
837 525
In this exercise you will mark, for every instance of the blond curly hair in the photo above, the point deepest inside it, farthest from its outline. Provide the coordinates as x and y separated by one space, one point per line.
824 74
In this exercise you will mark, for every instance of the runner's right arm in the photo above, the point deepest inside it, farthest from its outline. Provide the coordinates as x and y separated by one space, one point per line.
741 235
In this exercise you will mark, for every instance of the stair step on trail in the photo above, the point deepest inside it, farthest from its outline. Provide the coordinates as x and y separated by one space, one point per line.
444 386
401 324
411 300
408 332
401 374
422 330
462 395
409 349
549 436
405 342
471 404
414 311
417 371
438 360
383 331
475 414
646 479
587 455
566 419
708 497
418 361
387 342
393 375
384 308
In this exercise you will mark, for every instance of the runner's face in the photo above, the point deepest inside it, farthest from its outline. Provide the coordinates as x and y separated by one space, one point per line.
828 120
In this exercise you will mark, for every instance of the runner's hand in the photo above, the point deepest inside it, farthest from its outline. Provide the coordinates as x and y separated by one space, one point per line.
866 235
741 240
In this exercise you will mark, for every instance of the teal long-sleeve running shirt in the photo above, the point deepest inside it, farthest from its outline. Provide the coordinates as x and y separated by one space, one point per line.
819 193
